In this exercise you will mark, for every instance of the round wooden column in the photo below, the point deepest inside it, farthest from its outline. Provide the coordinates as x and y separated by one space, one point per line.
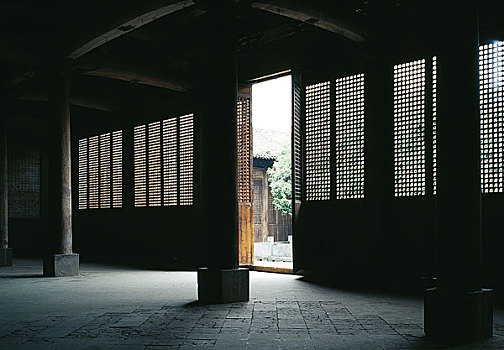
5 251
61 261
221 280
459 308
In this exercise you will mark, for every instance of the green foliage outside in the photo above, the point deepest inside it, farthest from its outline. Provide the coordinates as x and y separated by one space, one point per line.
280 180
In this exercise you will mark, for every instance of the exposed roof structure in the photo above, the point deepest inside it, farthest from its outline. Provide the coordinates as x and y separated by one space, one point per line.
154 49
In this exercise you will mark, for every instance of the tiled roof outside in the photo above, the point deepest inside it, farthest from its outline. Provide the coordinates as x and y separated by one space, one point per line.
269 143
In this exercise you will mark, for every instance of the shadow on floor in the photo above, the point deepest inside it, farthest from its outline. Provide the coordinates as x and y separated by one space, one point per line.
38 275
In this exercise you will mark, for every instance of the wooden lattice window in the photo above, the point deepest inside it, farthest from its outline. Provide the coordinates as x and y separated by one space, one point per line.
186 159
409 128
318 141
434 125
154 164
23 179
492 116
244 150
164 162
170 166
117 161
350 137
296 142
100 171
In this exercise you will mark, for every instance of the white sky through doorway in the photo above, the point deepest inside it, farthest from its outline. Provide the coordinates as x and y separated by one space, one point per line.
272 104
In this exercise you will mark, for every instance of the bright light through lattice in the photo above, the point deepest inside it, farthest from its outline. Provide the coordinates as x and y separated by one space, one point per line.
317 141
163 162
100 171
409 129
491 116
434 125
350 137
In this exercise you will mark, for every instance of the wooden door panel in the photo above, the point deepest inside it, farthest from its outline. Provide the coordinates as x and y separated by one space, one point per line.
245 209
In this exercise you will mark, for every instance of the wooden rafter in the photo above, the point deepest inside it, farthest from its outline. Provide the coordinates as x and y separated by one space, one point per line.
140 77
128 26
301 12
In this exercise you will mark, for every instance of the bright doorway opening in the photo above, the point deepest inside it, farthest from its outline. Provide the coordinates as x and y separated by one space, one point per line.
272 197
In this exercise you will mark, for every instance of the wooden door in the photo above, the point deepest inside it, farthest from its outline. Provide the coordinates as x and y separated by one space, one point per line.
245 209
297 171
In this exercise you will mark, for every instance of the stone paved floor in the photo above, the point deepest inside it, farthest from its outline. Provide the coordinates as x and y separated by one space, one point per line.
121 308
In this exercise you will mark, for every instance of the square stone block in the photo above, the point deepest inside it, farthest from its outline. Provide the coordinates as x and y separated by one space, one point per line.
223 286
61 265
458 317
5 257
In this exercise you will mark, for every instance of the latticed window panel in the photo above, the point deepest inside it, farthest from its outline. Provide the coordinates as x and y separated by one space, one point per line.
244 150
83 173
154 164
186 159
164 162
318 141
491 116
117 167
105 171
350 137
170 165
296 139
140 165
94 172
23 178
100 171
434 125
409 129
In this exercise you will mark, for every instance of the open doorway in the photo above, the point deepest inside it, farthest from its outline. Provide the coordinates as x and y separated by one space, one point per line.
271 173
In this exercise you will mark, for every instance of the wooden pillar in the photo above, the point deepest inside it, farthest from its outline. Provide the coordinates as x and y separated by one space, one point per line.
459 308
5 251
61 261
222 281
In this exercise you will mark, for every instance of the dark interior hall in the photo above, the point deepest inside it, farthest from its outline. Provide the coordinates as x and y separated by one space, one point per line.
126 145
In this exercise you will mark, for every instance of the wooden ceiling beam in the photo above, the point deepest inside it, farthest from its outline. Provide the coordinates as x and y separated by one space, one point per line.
135 76
128 26
74 101
300 11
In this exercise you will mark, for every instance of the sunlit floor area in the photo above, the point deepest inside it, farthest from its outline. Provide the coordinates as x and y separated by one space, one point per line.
121 308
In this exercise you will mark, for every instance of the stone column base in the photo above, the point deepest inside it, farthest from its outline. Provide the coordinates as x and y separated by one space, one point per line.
5 257
465 317
223 286
61 265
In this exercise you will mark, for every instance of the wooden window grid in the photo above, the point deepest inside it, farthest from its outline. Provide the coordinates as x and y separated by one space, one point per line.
244 149
164 162
409 129
491 116
350 137
434 126
100 171
318 141
296 142
186 159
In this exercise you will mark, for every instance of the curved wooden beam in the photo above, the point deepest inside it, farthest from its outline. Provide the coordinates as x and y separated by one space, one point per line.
303 12
74 101
128 26
134 76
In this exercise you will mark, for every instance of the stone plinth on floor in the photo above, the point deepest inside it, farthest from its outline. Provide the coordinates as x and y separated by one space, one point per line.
61 265
223 286
464 317
5 257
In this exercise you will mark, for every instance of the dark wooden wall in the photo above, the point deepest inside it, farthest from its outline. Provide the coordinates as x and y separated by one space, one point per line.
379 240
156 236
